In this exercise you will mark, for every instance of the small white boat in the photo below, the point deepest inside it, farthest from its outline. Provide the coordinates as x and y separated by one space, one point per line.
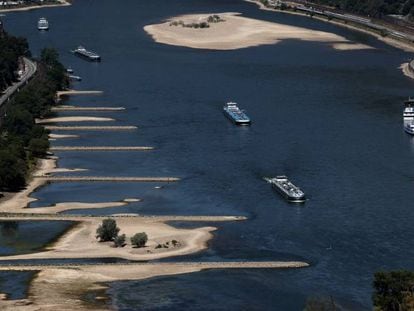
43 24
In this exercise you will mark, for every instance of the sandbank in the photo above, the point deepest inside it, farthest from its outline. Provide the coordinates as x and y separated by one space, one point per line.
59 288
237 32
69 206
12 202
81 242
390 41
68 170
59 136
73 119
35 7
405 68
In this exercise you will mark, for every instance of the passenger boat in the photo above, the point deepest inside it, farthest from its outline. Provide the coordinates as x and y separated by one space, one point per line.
43 24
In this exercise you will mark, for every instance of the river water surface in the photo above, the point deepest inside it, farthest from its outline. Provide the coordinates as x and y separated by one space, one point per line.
330 120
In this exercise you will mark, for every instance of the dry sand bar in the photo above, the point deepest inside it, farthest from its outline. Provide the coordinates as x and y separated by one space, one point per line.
201 265
77 108
75 92
100 148
83 217
91 128
108 179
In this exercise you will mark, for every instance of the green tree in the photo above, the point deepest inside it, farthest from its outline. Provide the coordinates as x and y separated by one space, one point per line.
119 241
38 147
12 172
139 239
107 231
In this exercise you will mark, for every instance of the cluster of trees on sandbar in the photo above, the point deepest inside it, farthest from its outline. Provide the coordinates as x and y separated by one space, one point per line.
21 139
109 231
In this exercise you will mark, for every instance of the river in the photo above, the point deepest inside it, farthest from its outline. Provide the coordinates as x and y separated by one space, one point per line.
330 120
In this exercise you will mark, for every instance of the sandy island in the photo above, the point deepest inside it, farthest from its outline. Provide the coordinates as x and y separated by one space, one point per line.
236 32
80 241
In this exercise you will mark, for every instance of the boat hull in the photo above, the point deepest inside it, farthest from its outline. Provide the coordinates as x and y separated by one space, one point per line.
235 121
409 130
86 57
288 197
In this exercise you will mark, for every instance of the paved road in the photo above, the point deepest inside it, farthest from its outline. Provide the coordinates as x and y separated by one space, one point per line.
31 68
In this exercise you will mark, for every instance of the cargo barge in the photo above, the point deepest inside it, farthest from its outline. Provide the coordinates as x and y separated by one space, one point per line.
288 190
236 115
89 55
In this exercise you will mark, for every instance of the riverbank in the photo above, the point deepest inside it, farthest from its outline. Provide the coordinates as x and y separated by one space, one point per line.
234 31
36 7
393 42
64 288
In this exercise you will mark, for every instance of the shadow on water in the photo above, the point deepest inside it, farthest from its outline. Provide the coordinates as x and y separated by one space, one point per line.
22 237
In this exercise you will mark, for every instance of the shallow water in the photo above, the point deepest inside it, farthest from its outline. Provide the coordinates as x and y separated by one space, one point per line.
15 284
22 237
330 120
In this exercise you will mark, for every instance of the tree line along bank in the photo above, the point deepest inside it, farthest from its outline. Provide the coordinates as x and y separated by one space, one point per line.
22 141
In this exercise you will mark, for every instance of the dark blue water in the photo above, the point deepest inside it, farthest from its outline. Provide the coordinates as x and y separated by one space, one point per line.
330 120
15 284
21 237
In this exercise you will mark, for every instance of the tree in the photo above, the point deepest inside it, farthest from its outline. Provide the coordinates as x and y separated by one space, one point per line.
120 240
139 239
12 172
107 231
49 56
38 147
393 291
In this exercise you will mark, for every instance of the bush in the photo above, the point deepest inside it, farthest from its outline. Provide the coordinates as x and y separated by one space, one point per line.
107 231
120 240
139 239
393 291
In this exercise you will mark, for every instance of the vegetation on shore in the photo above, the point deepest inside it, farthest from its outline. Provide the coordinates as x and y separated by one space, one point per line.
374 8
22 141
108 231
11 49
393 291
203 24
